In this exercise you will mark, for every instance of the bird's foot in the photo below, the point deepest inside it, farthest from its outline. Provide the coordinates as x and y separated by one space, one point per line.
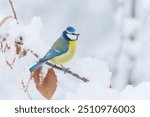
53 66
65 69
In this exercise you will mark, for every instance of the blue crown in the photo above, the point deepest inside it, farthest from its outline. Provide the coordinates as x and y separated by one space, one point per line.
70 29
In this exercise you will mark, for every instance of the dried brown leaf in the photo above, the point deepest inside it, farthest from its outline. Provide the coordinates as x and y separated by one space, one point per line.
49 85
18 49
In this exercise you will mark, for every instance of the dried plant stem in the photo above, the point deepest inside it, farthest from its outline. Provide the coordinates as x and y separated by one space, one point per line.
7 17
4 20
29 95
26 88
27 85
13 9
11 64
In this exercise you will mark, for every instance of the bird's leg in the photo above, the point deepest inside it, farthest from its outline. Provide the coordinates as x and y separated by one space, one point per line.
65 69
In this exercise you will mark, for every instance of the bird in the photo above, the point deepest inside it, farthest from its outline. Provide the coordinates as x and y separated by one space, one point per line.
62 51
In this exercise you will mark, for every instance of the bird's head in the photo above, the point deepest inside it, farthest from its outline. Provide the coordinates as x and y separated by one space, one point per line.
70 34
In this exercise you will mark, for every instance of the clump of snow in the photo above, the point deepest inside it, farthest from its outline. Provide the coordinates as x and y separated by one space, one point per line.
94 91
93 69
44 72
141 91
98 87
31 33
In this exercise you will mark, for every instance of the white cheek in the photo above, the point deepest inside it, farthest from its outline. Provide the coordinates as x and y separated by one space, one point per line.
72 37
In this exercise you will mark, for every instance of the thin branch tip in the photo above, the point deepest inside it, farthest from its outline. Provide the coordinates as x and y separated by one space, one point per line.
13 9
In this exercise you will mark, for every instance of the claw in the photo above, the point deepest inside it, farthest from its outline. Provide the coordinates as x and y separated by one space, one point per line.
65 69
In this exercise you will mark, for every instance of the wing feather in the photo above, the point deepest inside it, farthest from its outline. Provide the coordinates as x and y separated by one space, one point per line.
58 48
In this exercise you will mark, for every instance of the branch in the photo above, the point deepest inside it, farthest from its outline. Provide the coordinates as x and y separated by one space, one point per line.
7 17
69 72
13 9
26 89
61 69
4 20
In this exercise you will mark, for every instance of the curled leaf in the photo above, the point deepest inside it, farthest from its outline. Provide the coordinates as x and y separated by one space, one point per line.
49 84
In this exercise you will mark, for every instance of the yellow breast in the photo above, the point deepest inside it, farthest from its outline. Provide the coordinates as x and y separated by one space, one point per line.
67 56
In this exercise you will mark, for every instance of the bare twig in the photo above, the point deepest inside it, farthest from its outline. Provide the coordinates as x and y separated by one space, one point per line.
13 9
36 55
69 72
61 69
26 89
4 20
27 85
29 95
7 17
11 64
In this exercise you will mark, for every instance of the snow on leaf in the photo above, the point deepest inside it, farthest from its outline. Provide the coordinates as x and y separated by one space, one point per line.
48 85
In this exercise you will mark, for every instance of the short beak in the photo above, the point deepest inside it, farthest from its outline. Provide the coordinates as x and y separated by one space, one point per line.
77 34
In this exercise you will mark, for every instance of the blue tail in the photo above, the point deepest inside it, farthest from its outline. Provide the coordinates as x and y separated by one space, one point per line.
36 66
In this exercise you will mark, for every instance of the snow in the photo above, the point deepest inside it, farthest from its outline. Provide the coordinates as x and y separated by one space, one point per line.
31 34
131 26
98 23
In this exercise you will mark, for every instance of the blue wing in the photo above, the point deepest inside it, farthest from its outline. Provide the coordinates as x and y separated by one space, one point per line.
50 54
58 48
36 66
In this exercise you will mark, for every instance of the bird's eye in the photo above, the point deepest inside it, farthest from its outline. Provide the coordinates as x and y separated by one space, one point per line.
71 37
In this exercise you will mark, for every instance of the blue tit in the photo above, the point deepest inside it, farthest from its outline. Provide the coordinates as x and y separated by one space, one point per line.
62 50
